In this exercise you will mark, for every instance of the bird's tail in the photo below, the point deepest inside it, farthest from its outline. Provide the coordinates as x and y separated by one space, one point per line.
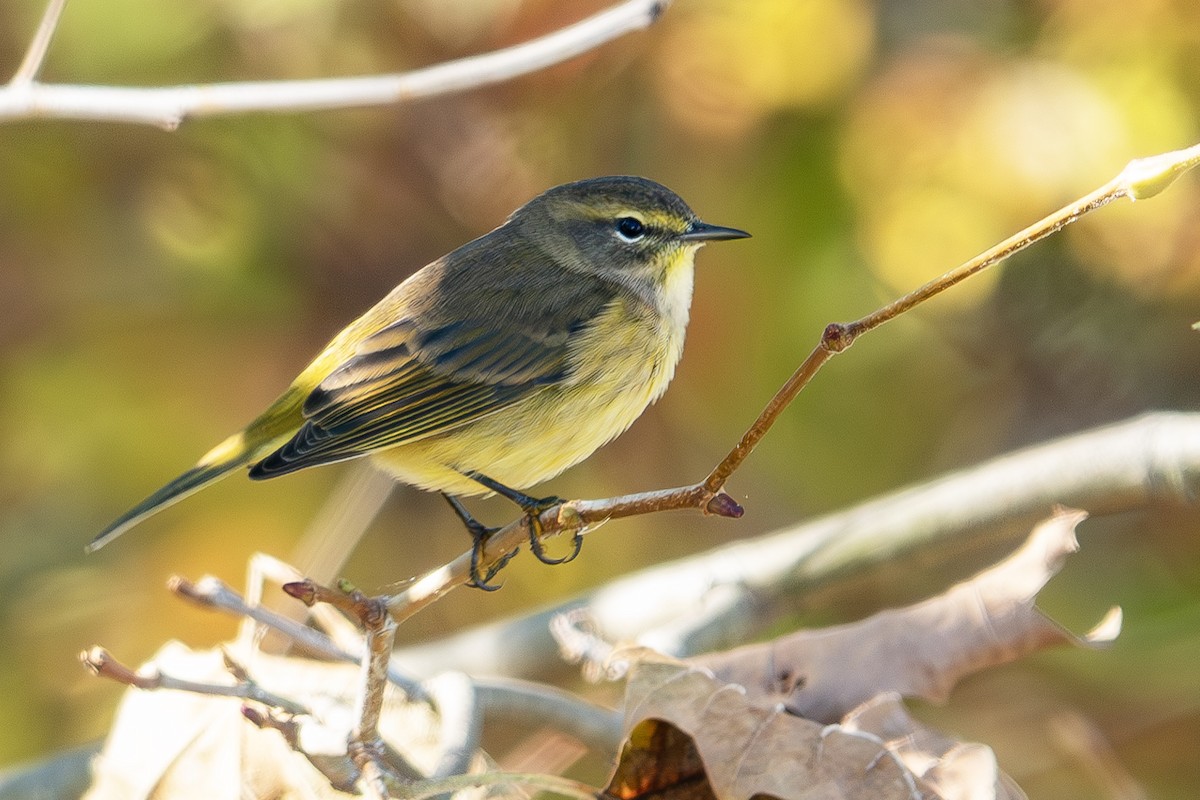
234 452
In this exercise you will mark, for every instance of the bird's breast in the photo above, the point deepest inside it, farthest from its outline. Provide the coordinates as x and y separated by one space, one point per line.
620 362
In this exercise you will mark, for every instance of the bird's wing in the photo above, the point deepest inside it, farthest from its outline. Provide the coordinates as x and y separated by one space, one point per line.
406 382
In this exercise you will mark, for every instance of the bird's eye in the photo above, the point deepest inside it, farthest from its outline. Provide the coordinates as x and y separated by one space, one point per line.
630 228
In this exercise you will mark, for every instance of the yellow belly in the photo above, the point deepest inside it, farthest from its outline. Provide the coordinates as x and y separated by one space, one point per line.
632 354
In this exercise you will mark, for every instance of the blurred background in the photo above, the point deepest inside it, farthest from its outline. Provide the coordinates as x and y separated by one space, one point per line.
158 289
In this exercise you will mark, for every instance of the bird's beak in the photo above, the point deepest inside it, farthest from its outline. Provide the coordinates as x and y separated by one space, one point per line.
703 232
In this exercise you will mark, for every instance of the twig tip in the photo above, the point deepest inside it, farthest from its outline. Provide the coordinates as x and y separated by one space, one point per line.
304 591
94 659
722 505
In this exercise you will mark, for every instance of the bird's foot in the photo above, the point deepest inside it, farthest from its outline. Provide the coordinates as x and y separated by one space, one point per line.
479 536
534 515
533 508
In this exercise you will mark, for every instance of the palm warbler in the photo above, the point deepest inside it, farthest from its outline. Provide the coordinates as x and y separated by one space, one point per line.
498 365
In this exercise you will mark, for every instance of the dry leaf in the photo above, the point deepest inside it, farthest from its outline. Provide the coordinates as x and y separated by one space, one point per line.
660 761
954 770
725 733
921 650
692 736
167 744
171 744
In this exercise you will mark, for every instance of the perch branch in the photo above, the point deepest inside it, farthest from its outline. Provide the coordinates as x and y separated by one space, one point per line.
168 106
1146 462
1141 178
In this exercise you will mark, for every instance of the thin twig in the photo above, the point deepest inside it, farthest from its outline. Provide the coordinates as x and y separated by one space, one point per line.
266 718
213 593
168 106
373 776
366 746
36 54
381 633
460 700
1140 179
102 664
264 569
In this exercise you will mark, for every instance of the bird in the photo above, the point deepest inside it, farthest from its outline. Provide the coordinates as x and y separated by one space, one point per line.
495 367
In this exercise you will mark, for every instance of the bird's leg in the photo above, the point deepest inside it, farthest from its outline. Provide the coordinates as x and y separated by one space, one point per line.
479 536
530 505
533 508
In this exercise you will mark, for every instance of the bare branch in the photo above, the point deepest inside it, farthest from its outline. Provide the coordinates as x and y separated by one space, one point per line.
595 726
102 664
168 106
37 48
1140 179
450 690
366 746
213 593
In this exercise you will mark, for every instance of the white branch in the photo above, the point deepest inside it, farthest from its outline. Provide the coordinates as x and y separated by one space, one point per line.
168 106
41 41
